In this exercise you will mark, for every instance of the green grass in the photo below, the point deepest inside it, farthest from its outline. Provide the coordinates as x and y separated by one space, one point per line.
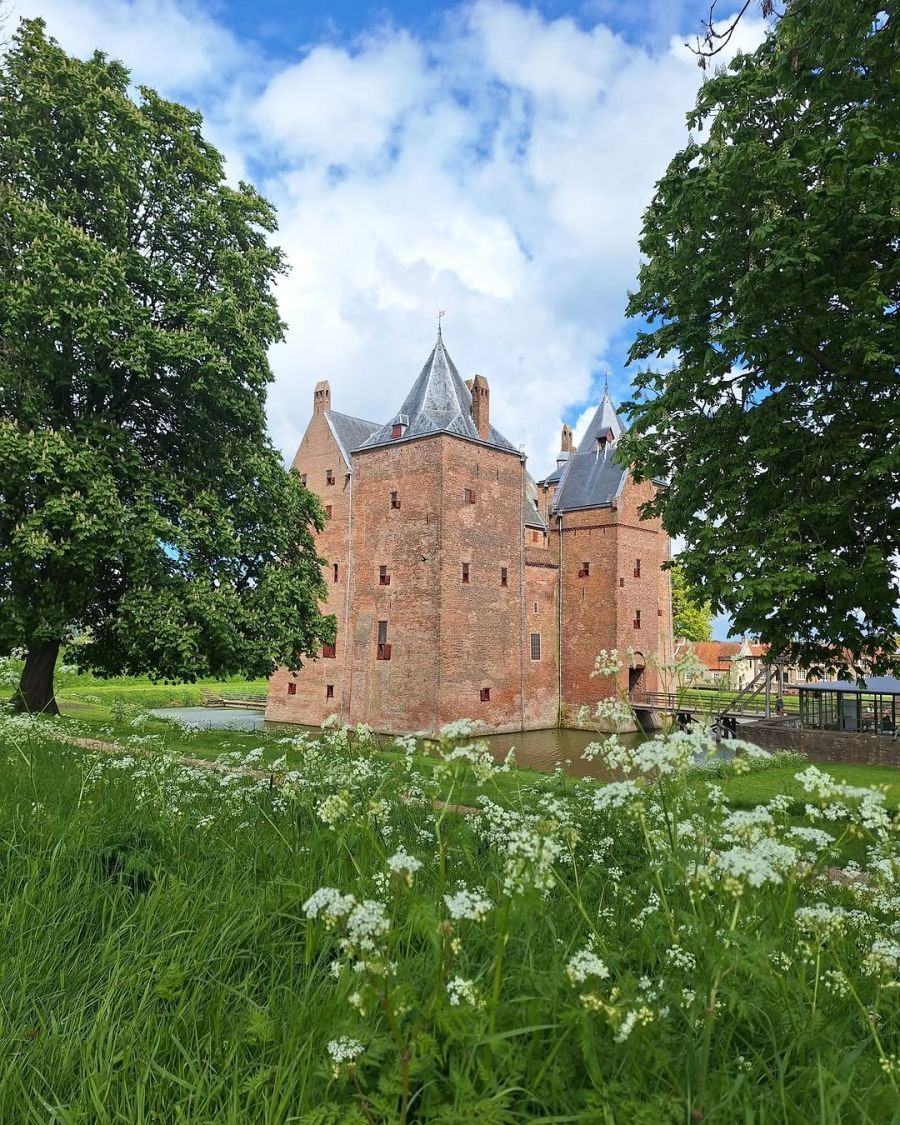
144 693
757 788
158 964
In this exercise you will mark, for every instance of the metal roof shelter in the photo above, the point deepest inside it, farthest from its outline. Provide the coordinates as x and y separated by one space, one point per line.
871 707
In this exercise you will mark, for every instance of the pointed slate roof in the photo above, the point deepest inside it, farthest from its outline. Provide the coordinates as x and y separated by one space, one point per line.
533 517
592 477
438 403
349 432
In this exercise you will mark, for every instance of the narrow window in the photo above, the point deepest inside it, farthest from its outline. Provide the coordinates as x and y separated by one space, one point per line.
328 511
621 581
395 500
303 479
292 688
485 695
585 570
637 568
328 652
384 579
334 572
535 607
329 691
535 536
469 495
659 613
637 619
535 646
465 574
384 649
329 476
504 576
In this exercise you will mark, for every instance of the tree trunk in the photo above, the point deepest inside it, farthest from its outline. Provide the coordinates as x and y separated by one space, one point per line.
35 693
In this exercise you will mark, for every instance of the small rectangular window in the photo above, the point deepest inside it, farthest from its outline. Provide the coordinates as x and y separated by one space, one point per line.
535 607
535 646
382 632
637 619
585 570
384 579
469 495
329 691
303 479
504 576
384 649
485 695
535 536
292 688
329 476
637 568
659 613
395 500
465 574
334 572
328 511
621 581
328 652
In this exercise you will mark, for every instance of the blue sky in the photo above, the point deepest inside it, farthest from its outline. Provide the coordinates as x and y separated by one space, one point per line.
489 158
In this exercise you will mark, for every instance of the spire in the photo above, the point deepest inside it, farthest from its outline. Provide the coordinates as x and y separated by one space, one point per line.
440 402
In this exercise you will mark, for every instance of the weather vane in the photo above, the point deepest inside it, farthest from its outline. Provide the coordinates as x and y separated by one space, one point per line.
440 314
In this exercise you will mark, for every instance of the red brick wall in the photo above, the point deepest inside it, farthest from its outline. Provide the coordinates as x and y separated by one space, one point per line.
318 453
397 694
599 611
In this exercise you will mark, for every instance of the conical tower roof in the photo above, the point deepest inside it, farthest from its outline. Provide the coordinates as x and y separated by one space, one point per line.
592 476
439 402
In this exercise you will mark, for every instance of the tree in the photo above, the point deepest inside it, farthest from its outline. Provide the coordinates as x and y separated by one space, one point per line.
772 278
140 501
691 617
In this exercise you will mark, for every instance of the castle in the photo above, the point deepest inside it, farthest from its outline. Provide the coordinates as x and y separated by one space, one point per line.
462 588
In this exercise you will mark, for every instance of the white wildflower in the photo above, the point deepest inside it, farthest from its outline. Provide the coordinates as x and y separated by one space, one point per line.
330 903
460 990
366 922
404 865
344 1053
468 904
883 957
583 964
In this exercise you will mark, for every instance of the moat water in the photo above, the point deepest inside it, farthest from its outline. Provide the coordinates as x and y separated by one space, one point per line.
534 749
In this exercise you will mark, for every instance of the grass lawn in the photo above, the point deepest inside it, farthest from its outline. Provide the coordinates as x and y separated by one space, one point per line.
179 946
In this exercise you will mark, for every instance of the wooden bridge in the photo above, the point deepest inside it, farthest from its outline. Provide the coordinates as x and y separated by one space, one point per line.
718 709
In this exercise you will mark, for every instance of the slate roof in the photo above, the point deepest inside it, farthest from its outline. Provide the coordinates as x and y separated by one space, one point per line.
554 477
438 403
591 479
349 432
533 517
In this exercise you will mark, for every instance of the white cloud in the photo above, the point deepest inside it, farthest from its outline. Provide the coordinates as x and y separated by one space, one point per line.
498 170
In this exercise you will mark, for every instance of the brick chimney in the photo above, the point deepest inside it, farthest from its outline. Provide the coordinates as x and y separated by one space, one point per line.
566 445
481 399
321 397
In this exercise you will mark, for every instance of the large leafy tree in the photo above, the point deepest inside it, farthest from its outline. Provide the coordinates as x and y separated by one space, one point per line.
772 278
691 616
141 502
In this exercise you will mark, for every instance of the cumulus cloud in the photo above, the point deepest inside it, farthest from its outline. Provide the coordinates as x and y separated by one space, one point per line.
497 169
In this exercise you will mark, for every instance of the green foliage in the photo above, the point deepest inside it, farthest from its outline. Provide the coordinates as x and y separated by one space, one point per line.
691 617
772 278
141 500
188 979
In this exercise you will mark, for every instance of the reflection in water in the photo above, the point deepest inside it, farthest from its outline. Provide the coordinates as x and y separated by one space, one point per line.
534 749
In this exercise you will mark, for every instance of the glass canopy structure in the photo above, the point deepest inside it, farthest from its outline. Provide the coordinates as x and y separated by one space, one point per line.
872 707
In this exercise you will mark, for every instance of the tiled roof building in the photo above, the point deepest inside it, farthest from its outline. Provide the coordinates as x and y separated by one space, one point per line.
462 588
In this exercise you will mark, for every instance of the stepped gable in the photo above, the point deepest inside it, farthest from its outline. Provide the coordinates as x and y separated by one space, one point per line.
349 432
592 476
438 403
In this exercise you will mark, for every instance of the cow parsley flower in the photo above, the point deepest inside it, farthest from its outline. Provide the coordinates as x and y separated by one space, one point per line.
333 809
404 865
473 905
330 903
583 964
883 957
366 922
460 990
615 794
344 1052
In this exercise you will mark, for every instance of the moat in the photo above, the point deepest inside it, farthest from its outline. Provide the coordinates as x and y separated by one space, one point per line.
535 749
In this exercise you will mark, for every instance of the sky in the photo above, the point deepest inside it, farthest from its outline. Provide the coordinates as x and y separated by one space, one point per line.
490 158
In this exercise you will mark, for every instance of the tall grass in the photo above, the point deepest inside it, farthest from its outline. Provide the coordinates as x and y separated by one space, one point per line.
188 945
